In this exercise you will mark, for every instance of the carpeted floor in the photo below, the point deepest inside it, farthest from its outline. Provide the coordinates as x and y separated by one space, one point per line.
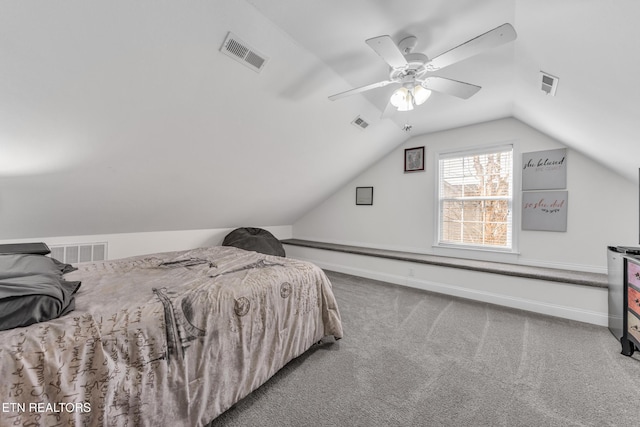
414 358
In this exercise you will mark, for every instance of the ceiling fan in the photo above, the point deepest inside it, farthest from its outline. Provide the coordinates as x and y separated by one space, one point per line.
410 70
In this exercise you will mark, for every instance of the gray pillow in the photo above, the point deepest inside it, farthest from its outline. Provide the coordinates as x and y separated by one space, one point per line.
32 290
254 239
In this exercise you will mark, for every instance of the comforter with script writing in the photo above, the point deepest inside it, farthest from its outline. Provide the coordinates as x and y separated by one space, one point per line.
170 339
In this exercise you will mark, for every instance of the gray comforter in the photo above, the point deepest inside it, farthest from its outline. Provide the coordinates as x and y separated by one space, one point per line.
169 339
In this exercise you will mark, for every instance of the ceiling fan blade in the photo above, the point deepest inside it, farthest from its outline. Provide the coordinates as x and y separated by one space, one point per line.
450 87
387 49
360 89
500 35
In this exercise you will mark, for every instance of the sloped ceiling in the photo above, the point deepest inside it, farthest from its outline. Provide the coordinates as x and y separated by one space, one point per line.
591 45
119 116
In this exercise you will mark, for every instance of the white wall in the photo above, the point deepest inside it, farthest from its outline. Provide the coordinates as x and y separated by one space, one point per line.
124 117
130 244
603 206
602 211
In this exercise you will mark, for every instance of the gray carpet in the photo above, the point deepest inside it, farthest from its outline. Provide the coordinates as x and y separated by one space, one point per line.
414 358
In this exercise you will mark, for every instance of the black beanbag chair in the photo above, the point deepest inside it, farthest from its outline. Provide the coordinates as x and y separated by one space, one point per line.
254 239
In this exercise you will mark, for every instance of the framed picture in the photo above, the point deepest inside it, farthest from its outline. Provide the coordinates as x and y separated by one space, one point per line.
544 210
544 170
414 159
364 195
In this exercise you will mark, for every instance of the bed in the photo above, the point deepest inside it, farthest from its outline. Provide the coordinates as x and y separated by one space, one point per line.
168 339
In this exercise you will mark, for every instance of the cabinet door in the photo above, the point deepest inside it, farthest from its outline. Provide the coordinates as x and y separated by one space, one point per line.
633 299
633 273
632 291
633 326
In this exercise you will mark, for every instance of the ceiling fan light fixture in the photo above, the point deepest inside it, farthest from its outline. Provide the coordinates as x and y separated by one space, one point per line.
408 106
420 94
406 97
402 99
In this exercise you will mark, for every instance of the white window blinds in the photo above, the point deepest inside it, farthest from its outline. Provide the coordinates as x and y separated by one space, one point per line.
475 198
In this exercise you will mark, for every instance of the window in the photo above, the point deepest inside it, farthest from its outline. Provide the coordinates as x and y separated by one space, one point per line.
475 195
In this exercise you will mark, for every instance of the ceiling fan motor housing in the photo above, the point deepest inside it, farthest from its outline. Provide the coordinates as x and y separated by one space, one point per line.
407 44
415 68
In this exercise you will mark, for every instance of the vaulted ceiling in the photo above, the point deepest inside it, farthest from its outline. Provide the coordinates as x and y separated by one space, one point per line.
119 116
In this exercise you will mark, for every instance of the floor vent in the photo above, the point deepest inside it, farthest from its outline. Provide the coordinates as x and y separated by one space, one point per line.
81 252
360 122
235 48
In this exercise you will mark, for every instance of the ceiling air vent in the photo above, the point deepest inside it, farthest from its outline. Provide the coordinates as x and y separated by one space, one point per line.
235 48
360 122
549 83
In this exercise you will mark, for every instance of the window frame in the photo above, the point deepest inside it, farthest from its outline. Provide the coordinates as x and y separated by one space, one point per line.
463 249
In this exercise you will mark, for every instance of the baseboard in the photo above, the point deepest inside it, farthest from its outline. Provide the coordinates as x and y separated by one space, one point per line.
565 312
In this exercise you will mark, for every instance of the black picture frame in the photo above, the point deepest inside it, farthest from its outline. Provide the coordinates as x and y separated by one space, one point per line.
414 159
364 195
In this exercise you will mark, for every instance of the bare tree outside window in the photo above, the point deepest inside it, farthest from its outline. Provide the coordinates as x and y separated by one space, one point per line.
475 199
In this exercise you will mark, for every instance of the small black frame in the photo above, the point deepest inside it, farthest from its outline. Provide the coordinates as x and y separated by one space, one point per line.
414 159
364 195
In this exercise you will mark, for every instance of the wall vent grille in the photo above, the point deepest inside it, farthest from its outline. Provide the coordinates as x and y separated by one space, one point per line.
240 51
79 252
549 83
360 122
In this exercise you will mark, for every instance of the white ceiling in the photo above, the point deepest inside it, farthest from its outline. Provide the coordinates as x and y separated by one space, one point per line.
336 34
119 116
592 46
